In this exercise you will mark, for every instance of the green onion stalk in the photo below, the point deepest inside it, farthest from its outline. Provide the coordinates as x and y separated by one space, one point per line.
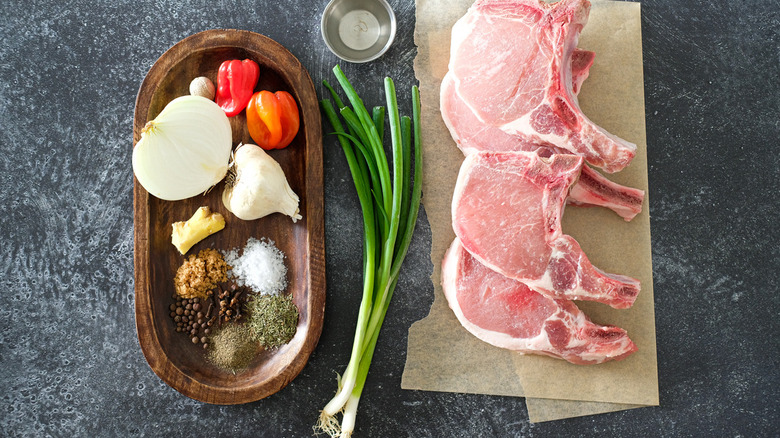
390 202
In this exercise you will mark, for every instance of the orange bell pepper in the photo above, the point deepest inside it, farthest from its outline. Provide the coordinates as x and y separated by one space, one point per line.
272 119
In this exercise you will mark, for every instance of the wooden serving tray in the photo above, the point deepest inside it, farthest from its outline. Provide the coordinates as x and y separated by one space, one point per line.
171 355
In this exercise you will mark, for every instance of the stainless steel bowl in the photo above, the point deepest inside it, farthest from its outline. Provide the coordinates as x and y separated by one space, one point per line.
358 30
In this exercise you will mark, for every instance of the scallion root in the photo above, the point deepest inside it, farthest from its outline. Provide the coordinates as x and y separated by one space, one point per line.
328 424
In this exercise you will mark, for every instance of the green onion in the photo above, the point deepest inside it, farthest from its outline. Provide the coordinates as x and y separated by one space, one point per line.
389 207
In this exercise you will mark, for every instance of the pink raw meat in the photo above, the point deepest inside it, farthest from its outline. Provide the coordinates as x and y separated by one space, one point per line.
581 61
508 314
527 88
469 132
507 209
471 136
593 190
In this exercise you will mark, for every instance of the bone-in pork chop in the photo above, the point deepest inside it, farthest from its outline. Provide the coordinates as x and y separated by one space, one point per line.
471 135
508 314
527 88
507 209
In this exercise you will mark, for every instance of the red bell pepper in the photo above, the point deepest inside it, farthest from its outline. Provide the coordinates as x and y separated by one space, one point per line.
272 119
236 82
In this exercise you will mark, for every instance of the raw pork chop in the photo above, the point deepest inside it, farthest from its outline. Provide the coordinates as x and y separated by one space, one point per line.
507 209
474 136
526 90
471 134
508 314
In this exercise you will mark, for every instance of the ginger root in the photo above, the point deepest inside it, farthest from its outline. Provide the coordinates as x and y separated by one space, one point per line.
201 225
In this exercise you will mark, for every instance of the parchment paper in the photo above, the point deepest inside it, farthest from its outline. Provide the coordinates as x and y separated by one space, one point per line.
441 355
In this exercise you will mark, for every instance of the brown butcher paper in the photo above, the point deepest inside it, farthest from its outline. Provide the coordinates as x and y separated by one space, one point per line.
442 355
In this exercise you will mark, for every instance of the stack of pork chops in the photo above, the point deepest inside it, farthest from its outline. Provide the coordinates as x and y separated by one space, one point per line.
510 102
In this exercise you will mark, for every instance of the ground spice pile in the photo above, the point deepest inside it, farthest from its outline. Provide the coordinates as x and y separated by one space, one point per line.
273 319
232 348
198 275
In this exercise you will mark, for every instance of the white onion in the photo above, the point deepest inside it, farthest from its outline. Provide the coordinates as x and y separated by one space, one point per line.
185 150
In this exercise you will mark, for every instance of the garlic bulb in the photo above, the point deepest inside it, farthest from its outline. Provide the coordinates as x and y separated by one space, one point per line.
259 187
185 150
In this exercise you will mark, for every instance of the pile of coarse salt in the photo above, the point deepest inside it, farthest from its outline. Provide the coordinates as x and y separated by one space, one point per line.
260 267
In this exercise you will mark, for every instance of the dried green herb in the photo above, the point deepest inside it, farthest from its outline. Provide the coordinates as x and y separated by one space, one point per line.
273 319
232 347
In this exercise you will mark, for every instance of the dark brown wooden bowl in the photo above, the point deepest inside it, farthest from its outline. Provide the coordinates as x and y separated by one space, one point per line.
171 355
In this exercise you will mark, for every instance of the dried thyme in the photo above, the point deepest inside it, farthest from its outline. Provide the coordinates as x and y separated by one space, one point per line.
272 319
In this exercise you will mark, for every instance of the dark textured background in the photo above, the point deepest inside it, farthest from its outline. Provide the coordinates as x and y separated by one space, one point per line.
70 363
